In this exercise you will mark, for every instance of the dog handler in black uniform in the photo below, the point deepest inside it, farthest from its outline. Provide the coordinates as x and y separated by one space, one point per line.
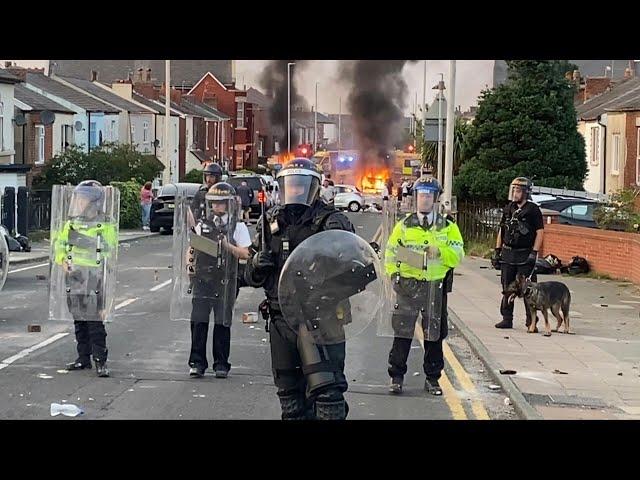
518 243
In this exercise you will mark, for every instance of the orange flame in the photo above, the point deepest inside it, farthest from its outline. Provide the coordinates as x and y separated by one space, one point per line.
374 180
285 157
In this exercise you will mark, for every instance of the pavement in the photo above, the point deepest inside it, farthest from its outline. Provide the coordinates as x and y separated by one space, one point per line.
148 357
593 374
40 250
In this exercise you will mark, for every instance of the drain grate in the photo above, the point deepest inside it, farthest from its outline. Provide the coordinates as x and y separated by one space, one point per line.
566 400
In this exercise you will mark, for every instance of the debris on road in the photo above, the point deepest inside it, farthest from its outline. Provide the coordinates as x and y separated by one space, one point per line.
415 374
33 328
68 410
507 401
62 371
508 372
494 387
250 317
44 376
560 372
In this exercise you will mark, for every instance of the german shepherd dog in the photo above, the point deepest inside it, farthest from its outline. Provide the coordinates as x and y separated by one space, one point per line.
541 297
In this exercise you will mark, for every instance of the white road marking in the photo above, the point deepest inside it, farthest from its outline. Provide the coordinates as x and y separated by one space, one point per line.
631 301
29 268
23 353
125 303
613 306
158 287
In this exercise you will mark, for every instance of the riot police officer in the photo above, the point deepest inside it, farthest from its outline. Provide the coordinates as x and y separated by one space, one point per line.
518 243
211 174
301 214
83 247
213 278
421 252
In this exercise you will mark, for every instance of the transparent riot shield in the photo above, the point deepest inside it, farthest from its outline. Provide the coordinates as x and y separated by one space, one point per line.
330 287
83 253
205 270
4 259
413 287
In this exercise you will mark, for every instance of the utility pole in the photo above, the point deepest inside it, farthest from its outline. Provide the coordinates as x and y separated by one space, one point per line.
451 122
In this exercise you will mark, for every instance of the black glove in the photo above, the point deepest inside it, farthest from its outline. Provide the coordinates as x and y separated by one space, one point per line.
263 262
495 258
533 256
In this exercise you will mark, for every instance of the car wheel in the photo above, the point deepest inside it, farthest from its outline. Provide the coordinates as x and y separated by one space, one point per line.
354 207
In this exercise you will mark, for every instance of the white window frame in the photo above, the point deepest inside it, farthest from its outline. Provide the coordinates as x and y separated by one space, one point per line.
595 146
240 115
113 131
40 134
206 135
616 152
133 134
1 125
145 132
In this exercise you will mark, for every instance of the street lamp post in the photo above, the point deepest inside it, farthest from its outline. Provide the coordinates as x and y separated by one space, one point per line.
440 99
289 105
451 122
315 123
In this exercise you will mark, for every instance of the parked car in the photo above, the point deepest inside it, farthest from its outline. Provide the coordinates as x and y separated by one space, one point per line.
256 183
349 197
163 206
579 214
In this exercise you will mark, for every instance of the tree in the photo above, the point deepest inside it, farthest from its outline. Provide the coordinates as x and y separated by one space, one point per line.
525 127
193 176
107 163
429 150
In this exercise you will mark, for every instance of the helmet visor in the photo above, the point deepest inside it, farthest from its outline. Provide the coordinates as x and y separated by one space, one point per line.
298 189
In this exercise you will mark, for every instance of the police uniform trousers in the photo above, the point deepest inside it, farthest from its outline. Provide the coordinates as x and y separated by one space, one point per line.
508 271
91 336
288 374
202 305
403 322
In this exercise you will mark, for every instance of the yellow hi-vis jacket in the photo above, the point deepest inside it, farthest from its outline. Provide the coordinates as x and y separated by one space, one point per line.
82 255
410 234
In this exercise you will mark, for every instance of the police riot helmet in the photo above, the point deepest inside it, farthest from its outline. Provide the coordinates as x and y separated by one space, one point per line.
299 182
212 169
426 185
523 183
219 195
87 200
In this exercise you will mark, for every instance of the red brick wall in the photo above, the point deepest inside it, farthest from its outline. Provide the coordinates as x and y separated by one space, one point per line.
616 254
632 149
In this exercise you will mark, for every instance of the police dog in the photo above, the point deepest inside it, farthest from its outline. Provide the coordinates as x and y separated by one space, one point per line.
542 296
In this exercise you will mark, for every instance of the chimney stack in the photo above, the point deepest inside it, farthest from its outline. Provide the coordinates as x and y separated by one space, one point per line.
7 64
94 76
148 75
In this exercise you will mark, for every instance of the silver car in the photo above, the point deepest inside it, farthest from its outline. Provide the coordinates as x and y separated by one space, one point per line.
349 197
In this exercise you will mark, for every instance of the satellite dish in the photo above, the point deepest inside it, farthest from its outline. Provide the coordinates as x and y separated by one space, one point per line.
156 142
78 126
47 117
20 120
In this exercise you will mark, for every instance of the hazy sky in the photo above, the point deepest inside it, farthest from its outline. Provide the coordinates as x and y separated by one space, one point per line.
471 77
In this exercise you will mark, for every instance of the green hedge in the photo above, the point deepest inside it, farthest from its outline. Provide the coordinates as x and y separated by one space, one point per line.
193 176
130 210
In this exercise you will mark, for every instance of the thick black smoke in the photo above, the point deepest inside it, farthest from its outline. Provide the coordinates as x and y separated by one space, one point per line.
274 81
377 100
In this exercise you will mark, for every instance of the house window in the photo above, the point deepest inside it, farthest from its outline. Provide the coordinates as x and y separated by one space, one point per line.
145 132
595 145
1 126
133 134
240 115
92 134
113 130
40 144
616 153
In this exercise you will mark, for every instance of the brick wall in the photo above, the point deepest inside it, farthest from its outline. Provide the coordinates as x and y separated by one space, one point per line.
616 254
